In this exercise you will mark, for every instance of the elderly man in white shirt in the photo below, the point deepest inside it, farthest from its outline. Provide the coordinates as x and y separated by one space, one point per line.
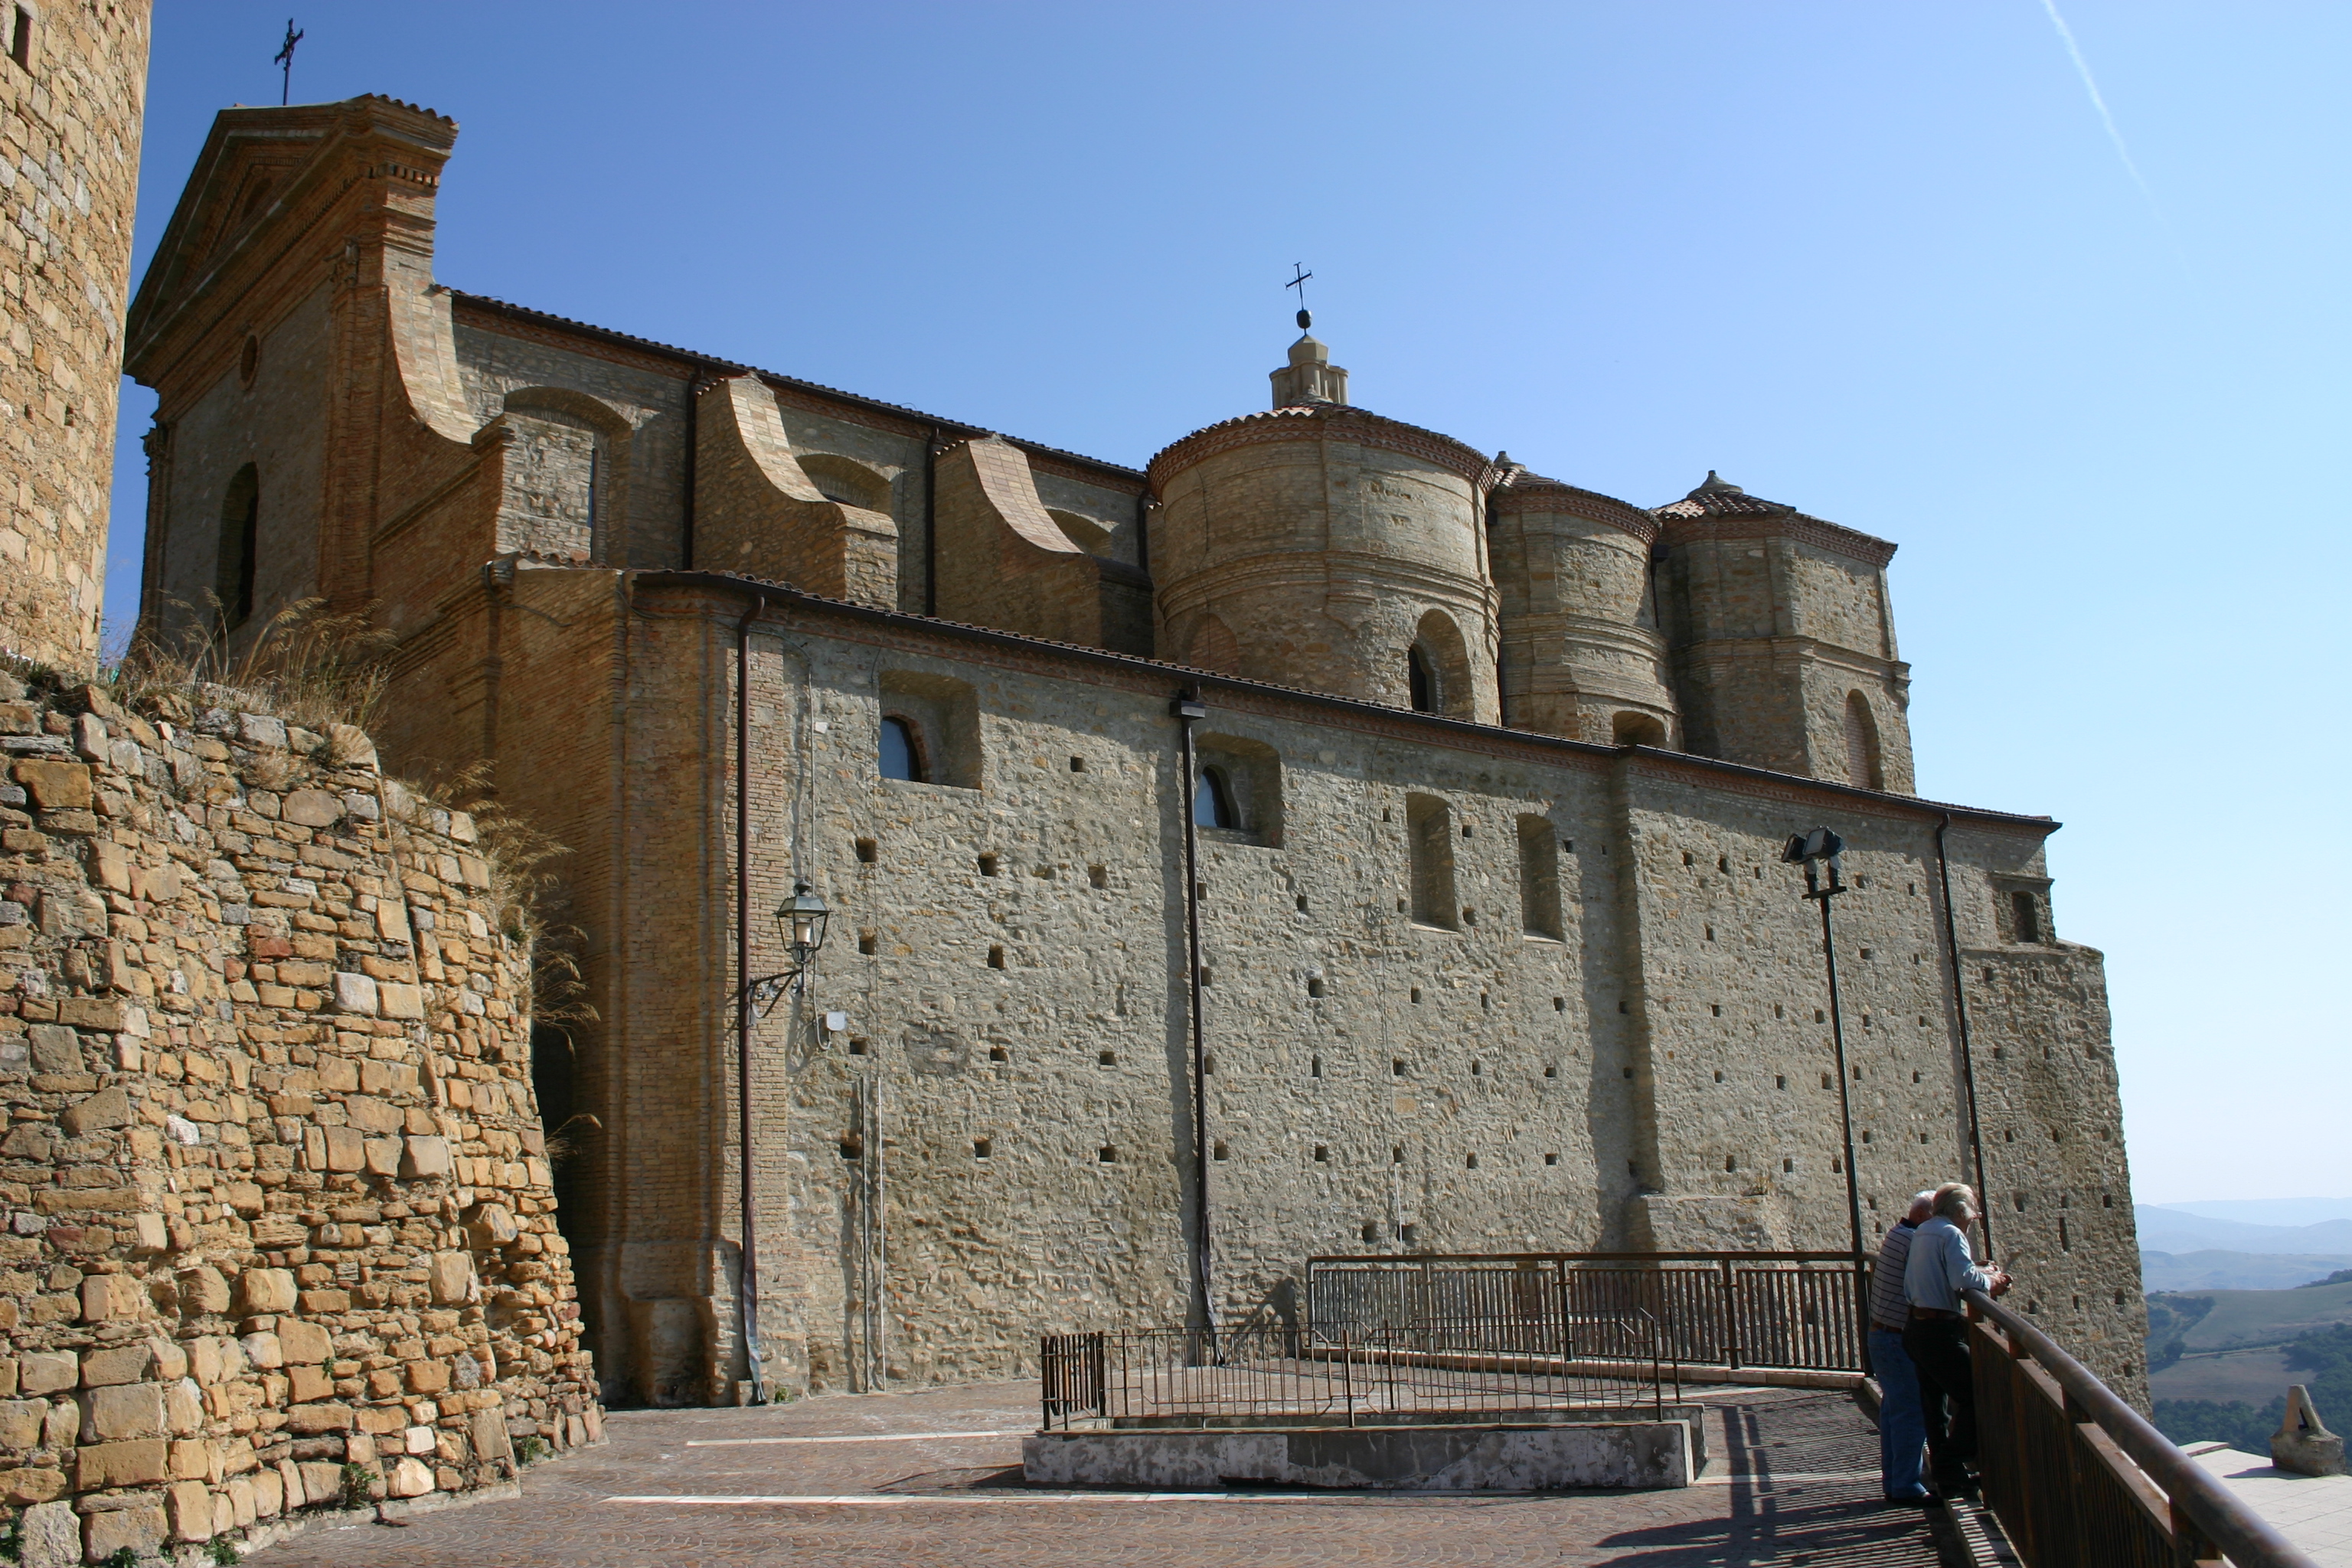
1936 1270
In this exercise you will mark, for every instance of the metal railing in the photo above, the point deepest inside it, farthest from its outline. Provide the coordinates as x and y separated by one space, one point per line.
1797 1311
2080 1479
1551 1365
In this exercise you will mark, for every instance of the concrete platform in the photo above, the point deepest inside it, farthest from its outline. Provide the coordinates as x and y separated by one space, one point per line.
931 1479
1442 1457
2313 1511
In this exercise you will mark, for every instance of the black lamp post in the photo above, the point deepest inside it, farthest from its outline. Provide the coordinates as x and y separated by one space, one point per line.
801 920
1818 853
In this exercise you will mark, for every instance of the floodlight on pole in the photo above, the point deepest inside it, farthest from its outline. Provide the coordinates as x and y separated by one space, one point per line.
1818 852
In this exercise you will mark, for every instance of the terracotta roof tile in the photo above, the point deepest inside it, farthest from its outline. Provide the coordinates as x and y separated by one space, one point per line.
714 363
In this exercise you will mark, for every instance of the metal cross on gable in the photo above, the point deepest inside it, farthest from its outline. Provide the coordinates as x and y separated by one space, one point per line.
285 57
1299 283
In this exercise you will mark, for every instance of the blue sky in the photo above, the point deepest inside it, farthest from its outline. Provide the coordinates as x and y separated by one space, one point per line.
1883 262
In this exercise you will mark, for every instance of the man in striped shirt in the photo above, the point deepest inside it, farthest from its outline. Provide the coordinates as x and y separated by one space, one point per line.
1902 1421
1936 1269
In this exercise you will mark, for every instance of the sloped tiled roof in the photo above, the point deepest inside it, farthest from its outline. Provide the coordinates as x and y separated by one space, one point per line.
955 427
1723 511
1524 491
1356 423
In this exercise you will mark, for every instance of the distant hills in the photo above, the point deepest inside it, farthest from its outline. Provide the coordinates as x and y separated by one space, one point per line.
2218 1319
2268 1211
2217 1271
2221 1246
2177 1230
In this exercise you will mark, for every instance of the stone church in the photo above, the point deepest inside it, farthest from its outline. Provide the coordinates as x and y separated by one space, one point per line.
1484 778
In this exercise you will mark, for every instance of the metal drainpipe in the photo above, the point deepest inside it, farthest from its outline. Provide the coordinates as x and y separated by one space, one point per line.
747 1274
931 523
686 466
1968 1052
1187 708
1143 531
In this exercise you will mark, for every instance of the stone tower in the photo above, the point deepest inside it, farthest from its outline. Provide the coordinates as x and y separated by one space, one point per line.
1321 545
1582 658
73 83
1782 639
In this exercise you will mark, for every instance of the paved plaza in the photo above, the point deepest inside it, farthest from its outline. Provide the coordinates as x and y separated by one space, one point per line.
935 1477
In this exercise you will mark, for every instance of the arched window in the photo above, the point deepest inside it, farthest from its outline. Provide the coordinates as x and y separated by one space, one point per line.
1437 669
240 530
1862 766
1213 801
901 752
567 475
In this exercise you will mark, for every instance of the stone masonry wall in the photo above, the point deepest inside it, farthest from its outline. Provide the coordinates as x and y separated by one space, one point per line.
280 1220
996 1141
70 97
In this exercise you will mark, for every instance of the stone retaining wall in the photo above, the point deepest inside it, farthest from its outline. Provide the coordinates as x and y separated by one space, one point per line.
280 1230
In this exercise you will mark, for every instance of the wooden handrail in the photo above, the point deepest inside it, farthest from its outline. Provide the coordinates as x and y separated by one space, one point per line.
1415 1259
2250 1539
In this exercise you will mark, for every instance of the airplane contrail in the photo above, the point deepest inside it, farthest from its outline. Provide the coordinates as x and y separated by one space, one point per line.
2091 86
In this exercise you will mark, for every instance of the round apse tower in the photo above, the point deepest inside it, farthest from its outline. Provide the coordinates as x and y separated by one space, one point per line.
1320 545
1581 653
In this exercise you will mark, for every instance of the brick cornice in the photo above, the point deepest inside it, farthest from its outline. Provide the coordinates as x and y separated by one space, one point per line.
1848 542
1531 494
1322 422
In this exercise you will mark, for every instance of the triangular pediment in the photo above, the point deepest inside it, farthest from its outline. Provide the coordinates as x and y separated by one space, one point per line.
256 166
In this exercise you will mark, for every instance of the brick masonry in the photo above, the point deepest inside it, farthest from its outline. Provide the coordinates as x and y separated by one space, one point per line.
73 80
280 1201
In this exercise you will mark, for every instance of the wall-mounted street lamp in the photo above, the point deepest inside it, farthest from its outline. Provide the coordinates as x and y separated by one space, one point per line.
800 920
1818 853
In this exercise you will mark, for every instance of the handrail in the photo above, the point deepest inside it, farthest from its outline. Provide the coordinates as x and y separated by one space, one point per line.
1414 1259
2250 1539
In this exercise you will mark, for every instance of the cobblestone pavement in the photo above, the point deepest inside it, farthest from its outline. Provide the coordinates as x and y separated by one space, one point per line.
1792 1481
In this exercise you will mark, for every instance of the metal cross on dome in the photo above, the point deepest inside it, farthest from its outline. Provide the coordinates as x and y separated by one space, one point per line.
1299 283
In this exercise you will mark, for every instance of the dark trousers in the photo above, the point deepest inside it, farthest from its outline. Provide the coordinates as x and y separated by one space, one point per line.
1938 1348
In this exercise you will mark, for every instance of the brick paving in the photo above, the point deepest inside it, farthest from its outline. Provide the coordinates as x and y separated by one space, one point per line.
1791 1480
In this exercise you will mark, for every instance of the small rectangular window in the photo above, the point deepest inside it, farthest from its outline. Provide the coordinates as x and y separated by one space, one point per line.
2025 917
20 36
1430 836
1540 911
